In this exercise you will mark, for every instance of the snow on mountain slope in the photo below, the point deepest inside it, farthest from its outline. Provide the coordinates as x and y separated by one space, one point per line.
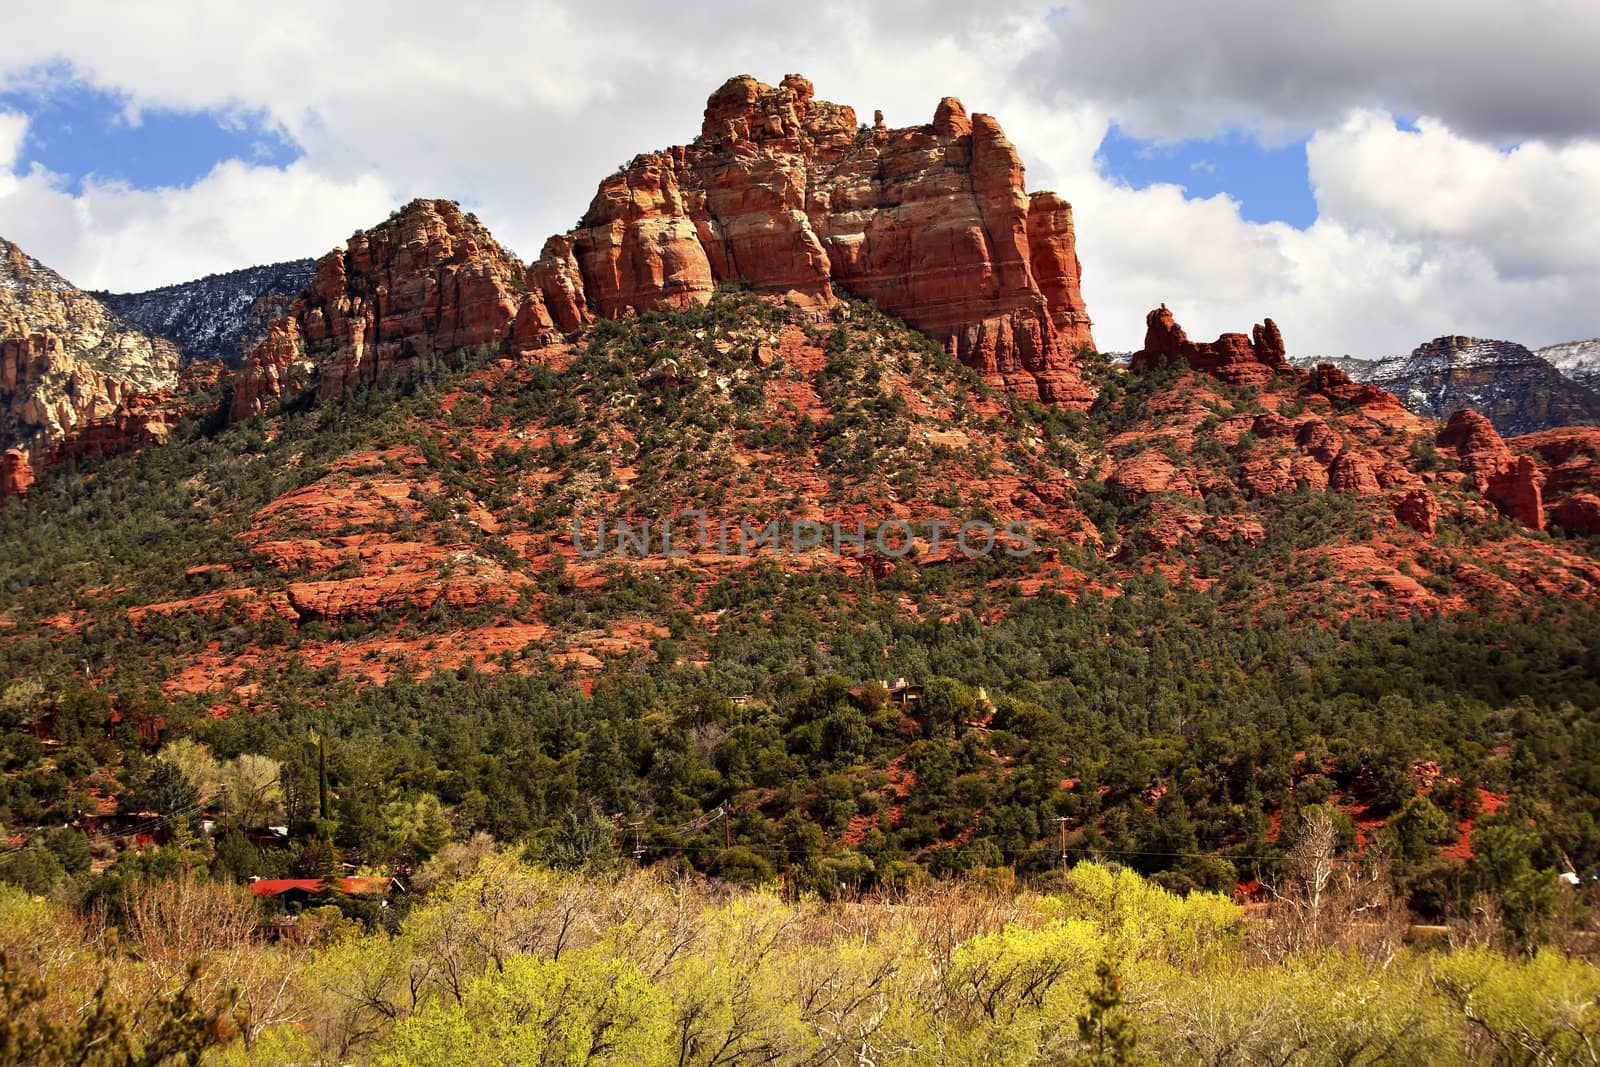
222 316
1517 390
1578 360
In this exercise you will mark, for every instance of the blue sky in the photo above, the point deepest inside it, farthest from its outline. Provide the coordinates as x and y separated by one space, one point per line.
1270 184
78 131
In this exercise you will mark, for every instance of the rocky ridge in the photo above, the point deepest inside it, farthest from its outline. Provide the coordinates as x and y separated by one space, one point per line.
1517 390
783 193
73 373
221 316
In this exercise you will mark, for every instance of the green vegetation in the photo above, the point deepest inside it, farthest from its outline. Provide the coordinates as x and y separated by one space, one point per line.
1159 737
497 961
1162 725
1225 733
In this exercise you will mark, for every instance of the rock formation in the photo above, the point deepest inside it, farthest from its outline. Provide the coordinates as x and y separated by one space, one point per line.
1333 383
1513 483
1233 357
781 192
67 362
1577 514
16 473
1569 460
424 285
1418 509
787 194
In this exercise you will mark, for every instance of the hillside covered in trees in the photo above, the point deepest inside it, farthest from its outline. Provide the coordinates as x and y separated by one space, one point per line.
364 636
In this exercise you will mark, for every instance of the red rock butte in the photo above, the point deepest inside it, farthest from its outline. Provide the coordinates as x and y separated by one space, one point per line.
1233 357
788 194
782 192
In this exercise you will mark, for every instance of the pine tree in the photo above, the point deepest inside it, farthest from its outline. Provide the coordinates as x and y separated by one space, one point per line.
1107 1035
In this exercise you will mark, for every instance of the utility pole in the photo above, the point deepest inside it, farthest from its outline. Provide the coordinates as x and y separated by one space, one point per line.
322 779
1061 820
727 828
638 849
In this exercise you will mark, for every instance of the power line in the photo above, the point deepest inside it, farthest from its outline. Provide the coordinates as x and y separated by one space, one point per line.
706 819
146 826
784 850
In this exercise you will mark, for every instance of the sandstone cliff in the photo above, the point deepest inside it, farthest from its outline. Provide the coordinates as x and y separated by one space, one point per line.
788 194
781 192
16 473
1514 483
67 362
1569 462
421 286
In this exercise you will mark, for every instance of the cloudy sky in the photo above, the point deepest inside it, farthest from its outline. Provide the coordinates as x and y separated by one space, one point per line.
1371 173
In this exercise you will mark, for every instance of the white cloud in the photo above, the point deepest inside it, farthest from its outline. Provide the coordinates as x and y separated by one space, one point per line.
236 215
1531 210
518 109
1497 70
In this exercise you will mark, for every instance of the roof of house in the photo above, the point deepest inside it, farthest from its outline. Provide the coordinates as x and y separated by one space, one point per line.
275 887
356 887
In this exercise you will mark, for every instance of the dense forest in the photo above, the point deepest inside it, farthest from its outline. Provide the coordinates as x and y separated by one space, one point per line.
1187 749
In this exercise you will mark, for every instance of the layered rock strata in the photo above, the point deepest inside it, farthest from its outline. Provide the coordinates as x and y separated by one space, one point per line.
781 192
67 362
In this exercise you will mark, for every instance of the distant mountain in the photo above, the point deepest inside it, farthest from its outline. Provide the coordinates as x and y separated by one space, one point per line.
1578 360
221 316
1518 390
1358 369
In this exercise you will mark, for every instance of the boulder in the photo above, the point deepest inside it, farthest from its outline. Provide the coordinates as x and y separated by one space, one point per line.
1514 484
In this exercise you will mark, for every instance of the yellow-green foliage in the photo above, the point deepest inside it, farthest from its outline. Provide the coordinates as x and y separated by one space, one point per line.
503 963
1542 1010
70 1000
1320 1009
1142 921
587 1007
